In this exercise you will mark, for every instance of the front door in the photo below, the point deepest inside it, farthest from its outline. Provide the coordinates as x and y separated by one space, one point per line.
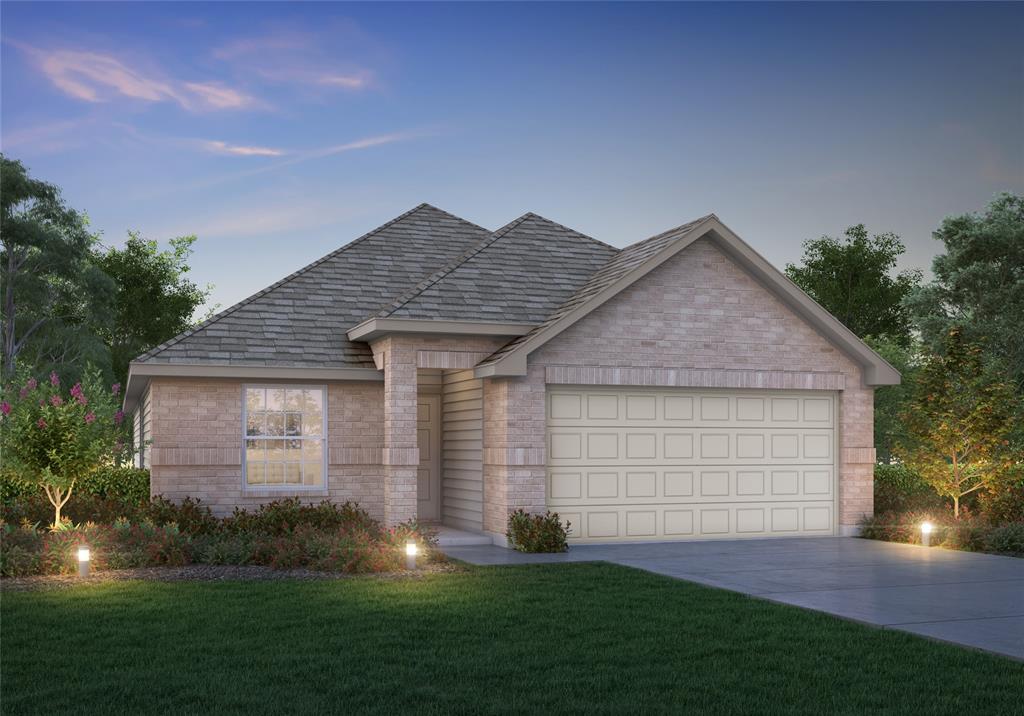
429 440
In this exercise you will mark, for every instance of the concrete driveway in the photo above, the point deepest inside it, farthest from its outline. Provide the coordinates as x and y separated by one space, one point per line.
970 599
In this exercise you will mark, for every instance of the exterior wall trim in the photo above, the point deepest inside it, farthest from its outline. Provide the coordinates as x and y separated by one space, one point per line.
139 375
693 378
378 327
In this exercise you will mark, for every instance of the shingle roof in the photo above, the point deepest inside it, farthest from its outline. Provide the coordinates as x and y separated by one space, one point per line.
522 273
618 266
302 320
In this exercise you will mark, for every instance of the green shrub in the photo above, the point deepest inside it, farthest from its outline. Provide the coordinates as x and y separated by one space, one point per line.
125 484
283 534
537 533
1004 502
902 526
899 489
1006 539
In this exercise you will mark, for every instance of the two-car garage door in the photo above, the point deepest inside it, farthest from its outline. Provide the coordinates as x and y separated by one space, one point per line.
665 464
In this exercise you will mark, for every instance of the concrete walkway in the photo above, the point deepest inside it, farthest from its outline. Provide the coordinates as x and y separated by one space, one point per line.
970 599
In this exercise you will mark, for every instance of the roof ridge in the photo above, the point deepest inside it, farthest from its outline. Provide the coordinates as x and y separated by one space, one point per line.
575 231
435 277
245 302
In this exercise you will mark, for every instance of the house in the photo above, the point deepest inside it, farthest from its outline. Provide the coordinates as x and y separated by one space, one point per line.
679 388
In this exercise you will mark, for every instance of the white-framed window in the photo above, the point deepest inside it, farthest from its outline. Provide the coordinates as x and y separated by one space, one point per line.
284 430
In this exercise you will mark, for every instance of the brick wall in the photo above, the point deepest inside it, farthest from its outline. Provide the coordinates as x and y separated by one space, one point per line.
700 311
197 434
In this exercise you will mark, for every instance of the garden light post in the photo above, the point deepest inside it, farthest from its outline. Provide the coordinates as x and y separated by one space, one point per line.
926 534
83 561
411 549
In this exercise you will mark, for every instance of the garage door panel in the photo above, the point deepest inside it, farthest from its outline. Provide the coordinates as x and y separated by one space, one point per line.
708 521
725 408
604 485
635 463
585 445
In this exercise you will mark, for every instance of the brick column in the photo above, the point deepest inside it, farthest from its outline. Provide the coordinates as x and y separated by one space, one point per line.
515 470
401 453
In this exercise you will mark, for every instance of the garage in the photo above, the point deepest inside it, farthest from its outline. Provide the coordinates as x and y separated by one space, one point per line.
634 464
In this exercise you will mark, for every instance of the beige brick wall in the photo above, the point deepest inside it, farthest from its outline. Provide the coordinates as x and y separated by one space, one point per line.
698 310
197 434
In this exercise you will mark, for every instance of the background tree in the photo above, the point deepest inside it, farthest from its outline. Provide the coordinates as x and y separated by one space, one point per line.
959 420
154 300
852 278
891 400
53 293
979 283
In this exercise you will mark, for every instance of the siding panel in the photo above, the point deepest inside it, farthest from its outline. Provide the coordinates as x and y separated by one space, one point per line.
462 451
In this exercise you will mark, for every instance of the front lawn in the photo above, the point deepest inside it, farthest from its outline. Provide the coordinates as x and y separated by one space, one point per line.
543 638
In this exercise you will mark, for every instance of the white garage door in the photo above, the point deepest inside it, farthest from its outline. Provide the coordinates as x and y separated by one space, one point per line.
667 464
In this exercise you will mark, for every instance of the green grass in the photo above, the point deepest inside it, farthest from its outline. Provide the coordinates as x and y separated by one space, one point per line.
549 638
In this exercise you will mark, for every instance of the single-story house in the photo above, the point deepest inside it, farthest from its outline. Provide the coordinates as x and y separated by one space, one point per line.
679 388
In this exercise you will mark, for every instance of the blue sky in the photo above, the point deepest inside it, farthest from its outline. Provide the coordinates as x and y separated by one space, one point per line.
277 132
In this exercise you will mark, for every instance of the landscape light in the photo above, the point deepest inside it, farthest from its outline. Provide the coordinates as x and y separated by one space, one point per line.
83 561
411 550
926 534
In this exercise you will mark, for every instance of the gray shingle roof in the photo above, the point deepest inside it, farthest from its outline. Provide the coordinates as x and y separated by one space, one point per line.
302 320
522 273
618 266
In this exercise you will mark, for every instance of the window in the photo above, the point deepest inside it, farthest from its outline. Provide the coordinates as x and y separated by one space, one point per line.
284 436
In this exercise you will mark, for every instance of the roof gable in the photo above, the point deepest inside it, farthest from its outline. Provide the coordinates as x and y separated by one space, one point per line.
302 319
520 274
636 261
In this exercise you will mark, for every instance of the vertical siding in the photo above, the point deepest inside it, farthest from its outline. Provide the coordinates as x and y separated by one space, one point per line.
462 451
146 426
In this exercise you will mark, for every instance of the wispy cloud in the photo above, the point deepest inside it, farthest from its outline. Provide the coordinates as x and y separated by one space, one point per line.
301 58
237 150
97 77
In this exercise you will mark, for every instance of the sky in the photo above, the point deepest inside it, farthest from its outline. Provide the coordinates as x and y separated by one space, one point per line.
278 132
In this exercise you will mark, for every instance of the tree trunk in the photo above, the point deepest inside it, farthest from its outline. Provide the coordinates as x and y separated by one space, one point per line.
956 508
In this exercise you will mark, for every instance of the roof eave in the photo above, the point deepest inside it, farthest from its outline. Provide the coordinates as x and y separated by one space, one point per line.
140 374
375 328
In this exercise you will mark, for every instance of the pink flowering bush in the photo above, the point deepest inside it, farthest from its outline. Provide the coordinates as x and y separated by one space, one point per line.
54 439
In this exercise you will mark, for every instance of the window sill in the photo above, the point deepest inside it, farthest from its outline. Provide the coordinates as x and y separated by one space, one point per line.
286 492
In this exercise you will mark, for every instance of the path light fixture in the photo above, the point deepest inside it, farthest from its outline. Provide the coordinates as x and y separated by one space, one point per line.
411 550
83 561
926 534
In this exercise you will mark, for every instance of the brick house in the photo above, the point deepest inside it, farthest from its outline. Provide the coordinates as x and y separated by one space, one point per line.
679 388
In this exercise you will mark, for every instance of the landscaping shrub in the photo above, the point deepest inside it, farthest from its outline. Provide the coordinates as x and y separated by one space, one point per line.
971 532
1004 502
125 484
537 533
1007 539
283 535
899 489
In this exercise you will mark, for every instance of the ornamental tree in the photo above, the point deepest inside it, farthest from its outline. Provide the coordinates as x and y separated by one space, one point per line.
959 421
54 438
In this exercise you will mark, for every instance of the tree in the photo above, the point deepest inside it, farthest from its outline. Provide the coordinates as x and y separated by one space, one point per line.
53 293
852 279
959 420
54 440
154 301
979 283
891 400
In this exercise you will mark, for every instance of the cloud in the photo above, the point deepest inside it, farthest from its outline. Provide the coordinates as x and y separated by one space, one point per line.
303 59
96 77
218 147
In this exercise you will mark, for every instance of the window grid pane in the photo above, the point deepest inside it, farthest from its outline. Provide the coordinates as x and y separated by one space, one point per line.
283 437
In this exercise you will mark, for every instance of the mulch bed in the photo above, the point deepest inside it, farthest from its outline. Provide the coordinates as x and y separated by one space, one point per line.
205 573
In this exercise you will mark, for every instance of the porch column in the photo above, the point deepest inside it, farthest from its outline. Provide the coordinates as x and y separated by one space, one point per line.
401 454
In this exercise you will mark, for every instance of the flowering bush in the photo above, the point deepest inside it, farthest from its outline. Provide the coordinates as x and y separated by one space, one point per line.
53 439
